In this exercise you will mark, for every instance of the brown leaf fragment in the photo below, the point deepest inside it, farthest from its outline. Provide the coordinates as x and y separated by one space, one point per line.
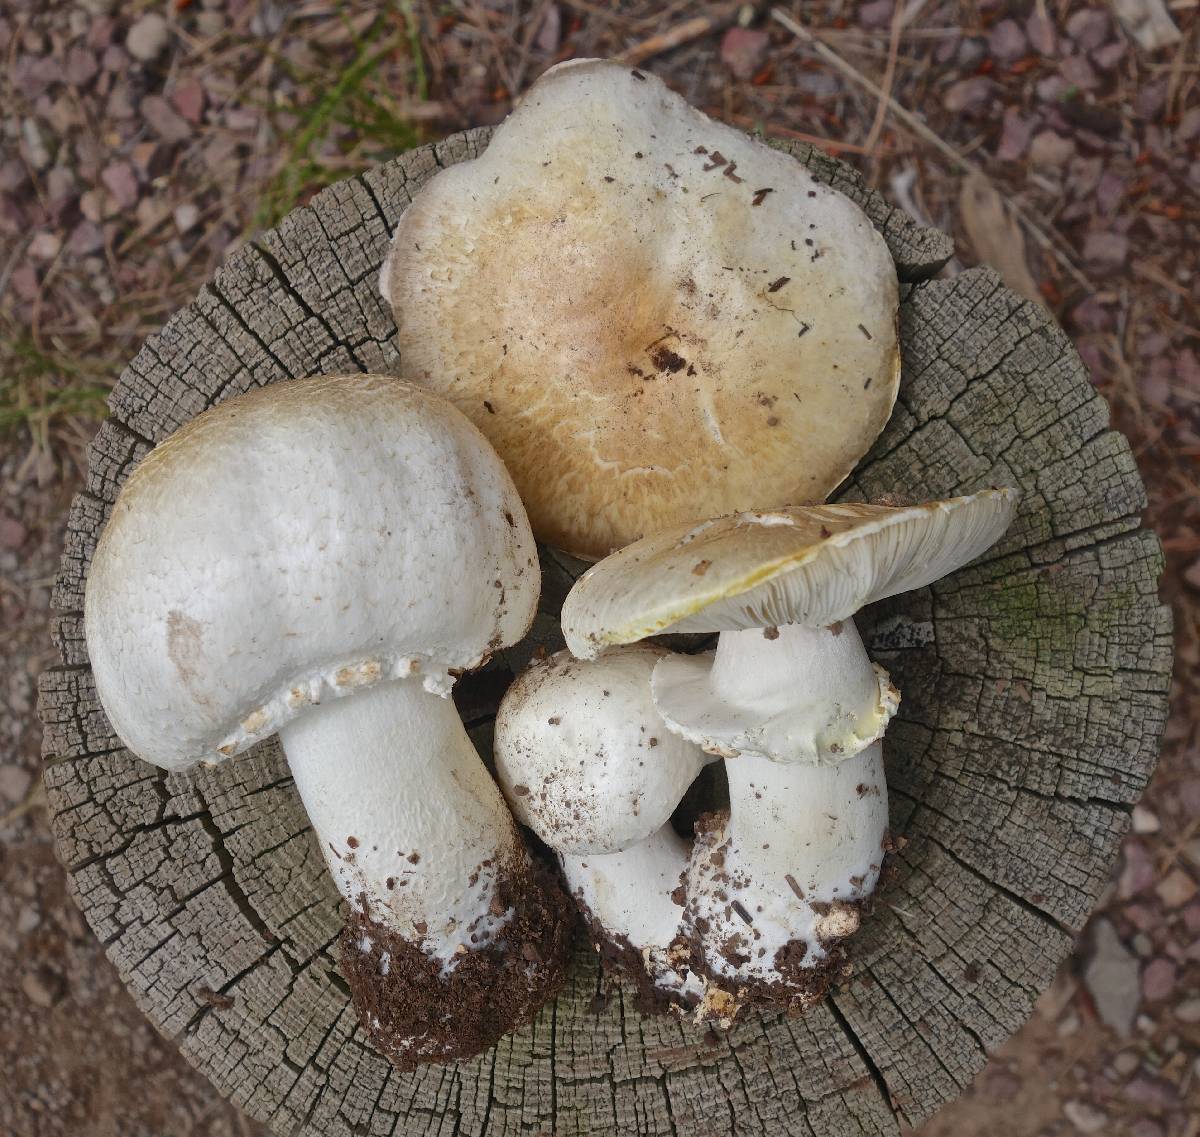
995 235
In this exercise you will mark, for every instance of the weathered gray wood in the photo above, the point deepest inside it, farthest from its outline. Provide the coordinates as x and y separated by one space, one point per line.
1034 694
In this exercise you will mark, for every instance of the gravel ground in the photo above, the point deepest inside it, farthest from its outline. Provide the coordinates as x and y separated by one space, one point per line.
142 143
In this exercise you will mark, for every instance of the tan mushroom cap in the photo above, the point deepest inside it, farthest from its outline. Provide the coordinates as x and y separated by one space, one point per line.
653 317
810 565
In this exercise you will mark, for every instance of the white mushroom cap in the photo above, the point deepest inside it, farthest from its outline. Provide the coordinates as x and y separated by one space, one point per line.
583 757
652 316
283 548
812 565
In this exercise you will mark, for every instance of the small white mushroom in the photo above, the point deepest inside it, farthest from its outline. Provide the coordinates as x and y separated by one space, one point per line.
319 558
653 316
587 763
792 700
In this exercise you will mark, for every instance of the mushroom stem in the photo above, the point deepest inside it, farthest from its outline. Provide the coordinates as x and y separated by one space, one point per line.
823 826
628 899
415 832
772 887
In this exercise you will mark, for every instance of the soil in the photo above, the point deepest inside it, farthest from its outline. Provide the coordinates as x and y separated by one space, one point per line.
622 964
414 1013
800 984
137 156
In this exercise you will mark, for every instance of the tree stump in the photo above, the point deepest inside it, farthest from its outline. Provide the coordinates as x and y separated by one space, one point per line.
1035 689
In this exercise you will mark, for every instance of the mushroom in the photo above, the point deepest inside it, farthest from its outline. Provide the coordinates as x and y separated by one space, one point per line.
652 316
587 763
791 700
320 559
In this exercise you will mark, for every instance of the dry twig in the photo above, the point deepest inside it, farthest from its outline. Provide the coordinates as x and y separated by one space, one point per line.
889 75
680 34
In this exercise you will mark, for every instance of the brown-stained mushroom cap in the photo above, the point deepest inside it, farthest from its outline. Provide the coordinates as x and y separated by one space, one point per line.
652 317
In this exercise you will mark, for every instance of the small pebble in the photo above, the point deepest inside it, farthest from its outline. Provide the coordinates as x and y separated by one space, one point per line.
189 97
968 94
1108 56
1088 28
1052 88
36 151
742 51
1150 99
1106 249
1015 136
14 783
12 536
1158 980
1078 72
1151 1092
1126 1062
1007 42
166 122
148 37
1145 820
43 987
1176 888
1137 871
1189 125
1084 1117
210 24
1188 1011
186 216
81 67
45 246
120 180
1041 35
1191 575
876 13
1112 979
1050 149
971 52
86 237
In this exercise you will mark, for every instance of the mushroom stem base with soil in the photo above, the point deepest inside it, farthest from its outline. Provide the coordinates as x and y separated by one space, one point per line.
774 885
629 899
429 859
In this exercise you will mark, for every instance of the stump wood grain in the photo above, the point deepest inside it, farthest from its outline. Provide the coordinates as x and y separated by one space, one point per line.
1035 690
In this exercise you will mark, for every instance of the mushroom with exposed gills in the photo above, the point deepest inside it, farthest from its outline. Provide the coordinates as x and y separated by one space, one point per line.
319 559
654 317
791 700
587 763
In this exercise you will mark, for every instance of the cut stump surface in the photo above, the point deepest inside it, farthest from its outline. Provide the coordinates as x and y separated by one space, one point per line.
1035 690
